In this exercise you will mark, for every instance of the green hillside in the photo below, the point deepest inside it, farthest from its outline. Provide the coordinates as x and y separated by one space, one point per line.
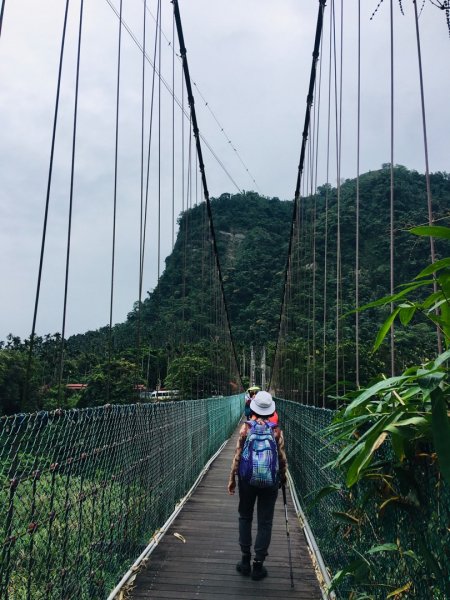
252 236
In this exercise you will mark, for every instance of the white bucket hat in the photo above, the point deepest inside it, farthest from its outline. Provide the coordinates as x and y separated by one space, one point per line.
262 404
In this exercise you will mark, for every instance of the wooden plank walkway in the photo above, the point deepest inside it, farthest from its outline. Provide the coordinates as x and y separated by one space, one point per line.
204 567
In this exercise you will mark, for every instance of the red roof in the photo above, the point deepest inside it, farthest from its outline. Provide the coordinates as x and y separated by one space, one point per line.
76 386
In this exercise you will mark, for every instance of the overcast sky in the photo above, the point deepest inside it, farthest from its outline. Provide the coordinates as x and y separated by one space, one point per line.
251 61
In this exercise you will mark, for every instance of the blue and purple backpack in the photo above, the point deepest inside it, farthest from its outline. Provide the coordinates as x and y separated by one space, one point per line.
259 459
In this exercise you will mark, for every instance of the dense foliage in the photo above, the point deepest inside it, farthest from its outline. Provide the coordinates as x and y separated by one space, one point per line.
181 320
318 353
392 461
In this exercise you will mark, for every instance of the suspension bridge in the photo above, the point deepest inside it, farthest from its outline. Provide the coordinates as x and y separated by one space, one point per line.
105 495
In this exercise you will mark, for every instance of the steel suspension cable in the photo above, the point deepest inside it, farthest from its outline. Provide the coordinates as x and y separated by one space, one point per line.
159 144
182 141
427 167
309 101
141 215
203 174
341 75
391 200
69 226
358 140
173 133
113 249
2 12
316 161
47 197
171 92
207 105
144 207
325 277
338 138
150 142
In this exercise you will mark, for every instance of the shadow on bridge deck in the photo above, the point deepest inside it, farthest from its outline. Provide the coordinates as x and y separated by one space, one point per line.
204 566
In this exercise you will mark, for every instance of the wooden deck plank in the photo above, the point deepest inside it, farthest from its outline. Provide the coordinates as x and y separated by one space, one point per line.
204 568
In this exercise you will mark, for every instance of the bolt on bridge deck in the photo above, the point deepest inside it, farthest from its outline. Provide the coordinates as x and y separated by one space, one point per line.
204 565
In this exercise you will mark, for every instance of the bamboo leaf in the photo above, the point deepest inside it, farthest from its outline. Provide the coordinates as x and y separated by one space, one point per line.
441 431
345 517
354 568
416 422
373 441
441 359
406 313
445 314
429 380
431 299
349 453
435 231
380 386
389 547
434 267
432 308
389 501
325 491
356 466
379 441
420 421
400 590
409 287
412 555
398 445
385 328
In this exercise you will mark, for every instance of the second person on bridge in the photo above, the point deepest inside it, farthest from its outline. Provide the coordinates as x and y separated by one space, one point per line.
260 464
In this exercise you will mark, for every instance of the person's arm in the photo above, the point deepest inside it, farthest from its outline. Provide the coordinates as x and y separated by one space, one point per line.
237 458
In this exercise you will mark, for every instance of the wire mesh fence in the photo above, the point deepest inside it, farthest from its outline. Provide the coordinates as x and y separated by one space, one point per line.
348 523
82 491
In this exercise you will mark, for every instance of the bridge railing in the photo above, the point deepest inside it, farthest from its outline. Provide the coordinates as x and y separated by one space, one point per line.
83 491
346 525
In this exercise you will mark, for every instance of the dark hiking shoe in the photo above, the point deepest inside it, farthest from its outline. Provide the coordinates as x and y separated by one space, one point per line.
259 570
243 565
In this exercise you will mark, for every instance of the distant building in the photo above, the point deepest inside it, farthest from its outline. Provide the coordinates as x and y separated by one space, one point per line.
75 387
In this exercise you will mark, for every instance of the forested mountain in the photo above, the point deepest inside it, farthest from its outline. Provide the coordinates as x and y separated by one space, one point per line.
252 235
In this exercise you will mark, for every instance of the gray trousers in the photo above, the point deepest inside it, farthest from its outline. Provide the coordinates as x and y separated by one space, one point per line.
266 497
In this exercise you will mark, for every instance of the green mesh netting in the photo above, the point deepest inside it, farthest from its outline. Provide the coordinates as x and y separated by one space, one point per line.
82 491
422 527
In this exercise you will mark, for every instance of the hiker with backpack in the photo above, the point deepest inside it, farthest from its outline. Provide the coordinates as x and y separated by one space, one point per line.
260 464
251 393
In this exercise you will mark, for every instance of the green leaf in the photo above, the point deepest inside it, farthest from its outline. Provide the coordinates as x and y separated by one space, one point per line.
345 517
445 315
406 313
385 328
434 267
362 460
440 360
398 444
409 287
420 421
441 431
358 569
435 231
429 381
400 590
347 454
380 386
432 300
389 547
411 554
325 491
